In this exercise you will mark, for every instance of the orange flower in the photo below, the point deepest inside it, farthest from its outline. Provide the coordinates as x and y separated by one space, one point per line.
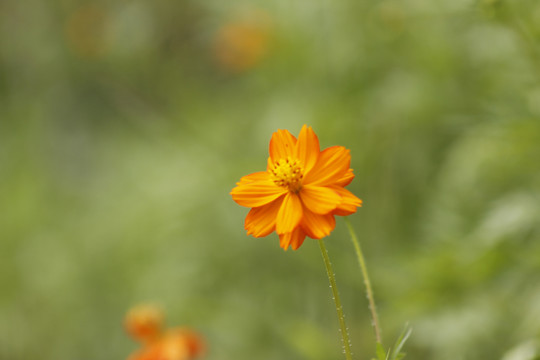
85 31
145 323
175 344
300 191
242 44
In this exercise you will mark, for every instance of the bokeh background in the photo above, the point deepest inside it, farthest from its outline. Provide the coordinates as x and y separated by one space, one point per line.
125 124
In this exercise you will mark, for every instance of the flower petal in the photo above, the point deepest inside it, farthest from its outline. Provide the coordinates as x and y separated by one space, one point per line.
317 226
261 221
307 148
349 202
295 239
319 199
269 165
289 214
346 179
256 193
285 241
261 175
282 145
332 165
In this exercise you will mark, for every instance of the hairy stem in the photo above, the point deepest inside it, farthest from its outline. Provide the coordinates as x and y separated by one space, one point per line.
367 282
339 308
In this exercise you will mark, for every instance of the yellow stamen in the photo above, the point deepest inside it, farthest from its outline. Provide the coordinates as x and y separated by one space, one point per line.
288 173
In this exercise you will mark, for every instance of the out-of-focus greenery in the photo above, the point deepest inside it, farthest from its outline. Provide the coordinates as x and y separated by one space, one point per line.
124 125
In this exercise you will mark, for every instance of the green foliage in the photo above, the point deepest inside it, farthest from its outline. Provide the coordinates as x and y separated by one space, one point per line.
394 353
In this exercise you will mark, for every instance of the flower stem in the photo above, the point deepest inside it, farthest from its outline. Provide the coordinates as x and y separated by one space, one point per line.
339 308
367 283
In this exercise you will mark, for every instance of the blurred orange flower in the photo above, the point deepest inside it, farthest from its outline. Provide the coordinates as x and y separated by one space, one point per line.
300 191
240 45
145 324
85 31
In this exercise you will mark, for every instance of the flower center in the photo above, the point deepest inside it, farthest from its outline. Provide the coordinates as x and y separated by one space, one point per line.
288 173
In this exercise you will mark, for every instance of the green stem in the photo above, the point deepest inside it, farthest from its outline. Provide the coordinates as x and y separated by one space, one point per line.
367 283
339 308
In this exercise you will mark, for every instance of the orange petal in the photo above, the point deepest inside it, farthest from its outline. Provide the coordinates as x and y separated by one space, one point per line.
319 199
285 241
346 179
332 165
261 221
269 165
307 148
349 203
257 193
317 226
289 214
295 239
188 339
261 175
282 145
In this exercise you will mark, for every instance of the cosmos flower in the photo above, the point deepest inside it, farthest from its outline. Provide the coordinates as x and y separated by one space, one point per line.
300 191
145 324
243 43
85 31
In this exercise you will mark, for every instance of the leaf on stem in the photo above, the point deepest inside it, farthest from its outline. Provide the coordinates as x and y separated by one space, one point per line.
396 353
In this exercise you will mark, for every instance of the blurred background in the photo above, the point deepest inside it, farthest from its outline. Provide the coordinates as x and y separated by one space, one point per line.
125 124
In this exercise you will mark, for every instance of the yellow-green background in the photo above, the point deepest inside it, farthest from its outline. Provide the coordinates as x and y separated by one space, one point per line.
121 137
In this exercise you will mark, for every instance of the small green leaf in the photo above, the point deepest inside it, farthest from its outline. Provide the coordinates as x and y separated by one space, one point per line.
381 353
397 354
